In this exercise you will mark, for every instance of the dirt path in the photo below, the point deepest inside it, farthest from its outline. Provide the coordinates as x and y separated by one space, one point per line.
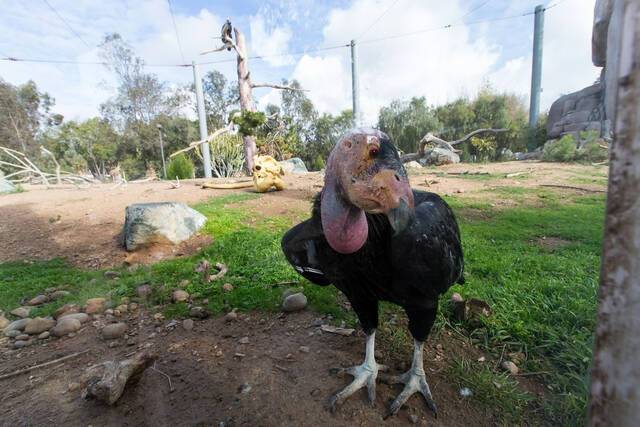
267 382
84 225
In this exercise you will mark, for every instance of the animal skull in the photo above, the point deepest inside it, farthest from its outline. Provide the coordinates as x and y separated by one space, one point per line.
267 173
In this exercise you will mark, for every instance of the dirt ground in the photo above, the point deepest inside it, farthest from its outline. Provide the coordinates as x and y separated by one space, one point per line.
212 372
83 225
217 380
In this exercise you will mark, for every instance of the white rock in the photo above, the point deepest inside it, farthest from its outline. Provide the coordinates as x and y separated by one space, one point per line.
294 302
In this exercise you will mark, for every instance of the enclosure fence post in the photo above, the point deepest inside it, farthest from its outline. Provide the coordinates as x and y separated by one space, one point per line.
536 70
206 154
355 88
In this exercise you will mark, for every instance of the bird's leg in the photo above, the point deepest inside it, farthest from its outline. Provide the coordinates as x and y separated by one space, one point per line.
415 381
363 375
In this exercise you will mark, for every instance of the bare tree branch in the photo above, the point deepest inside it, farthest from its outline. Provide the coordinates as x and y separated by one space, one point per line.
275 86
430 138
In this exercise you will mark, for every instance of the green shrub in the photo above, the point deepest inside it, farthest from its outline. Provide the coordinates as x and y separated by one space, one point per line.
591 150
227 156
562 150
181 167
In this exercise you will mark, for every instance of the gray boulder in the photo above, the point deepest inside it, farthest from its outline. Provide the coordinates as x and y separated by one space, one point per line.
165 222
294 165
440 156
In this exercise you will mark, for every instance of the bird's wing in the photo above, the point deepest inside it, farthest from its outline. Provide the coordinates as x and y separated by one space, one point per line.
427 256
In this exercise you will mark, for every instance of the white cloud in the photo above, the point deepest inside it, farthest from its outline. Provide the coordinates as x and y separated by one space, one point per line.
273 45
444 64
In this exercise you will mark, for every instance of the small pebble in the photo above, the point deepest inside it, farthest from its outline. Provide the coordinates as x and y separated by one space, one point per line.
509 366
244 388
304 349
466 392
44 335
413 419
227 287
231 316
244 340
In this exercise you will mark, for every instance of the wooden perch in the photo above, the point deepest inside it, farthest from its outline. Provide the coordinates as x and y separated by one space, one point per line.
430 138
275 86
109 386
228 185
210 138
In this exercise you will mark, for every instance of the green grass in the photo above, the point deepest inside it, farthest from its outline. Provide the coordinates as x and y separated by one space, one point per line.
543 299
248 244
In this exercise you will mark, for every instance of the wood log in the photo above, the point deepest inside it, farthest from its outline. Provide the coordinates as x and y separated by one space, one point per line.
430 138
108 380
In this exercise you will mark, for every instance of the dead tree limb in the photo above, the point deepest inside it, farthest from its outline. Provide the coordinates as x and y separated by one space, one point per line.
50 154
42 365
109 385
276 86
430 138
571 187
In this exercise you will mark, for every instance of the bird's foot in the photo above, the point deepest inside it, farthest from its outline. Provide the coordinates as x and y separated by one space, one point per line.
414 381
363 376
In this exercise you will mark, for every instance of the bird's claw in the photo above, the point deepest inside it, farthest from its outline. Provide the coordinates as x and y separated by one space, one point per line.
414 382
363 376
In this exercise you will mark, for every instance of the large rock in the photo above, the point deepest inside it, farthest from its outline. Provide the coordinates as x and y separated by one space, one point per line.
38 325
166 222
66 325
21 312
440 156
114 331
294 165
17 325
576 112
95 305
6 186
601 17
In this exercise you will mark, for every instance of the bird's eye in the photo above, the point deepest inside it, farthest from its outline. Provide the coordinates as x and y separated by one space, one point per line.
397 177
373 151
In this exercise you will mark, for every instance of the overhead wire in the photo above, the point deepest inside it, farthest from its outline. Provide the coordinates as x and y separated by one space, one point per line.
175 28
474 9
300 53
377 19
64 21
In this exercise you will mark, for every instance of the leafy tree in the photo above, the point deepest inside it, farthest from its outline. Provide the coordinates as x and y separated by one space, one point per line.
140 97
180 167
25 113
219 99
406 122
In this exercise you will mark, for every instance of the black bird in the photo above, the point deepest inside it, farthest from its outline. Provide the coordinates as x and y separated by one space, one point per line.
226 34
376 239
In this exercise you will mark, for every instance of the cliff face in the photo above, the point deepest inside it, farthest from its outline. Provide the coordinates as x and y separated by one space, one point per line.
586 109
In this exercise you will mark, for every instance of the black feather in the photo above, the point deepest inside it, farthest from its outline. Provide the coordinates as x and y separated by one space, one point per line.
410 269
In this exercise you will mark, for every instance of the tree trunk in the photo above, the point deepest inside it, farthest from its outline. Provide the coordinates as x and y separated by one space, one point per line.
615 381
246 98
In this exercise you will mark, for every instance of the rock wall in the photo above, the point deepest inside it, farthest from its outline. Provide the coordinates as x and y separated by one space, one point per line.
586 109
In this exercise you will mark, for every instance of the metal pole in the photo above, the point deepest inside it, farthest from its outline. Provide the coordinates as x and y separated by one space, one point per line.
355 88
164 166
536 68
206 154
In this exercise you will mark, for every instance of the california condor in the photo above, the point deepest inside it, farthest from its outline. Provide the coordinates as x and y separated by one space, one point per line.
376 239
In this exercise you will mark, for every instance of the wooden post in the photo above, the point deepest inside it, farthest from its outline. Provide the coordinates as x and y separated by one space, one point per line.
246 97
615 381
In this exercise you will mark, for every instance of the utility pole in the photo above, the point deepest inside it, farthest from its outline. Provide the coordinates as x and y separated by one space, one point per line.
164 166
206 154
355 87
536 68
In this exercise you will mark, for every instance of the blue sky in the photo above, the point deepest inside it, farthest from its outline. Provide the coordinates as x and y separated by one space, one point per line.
440 65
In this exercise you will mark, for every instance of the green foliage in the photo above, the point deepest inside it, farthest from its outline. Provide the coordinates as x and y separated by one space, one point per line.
483 148
227 155
406 122
249 121
562 150
591 149
180 167
219 98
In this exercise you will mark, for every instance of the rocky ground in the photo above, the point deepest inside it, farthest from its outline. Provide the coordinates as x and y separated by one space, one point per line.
239 369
